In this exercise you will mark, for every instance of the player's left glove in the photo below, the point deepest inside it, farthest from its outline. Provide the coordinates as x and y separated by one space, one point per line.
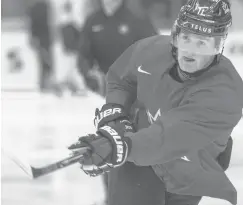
103 157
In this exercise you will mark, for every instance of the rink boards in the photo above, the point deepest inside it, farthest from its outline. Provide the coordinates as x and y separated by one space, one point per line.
27 79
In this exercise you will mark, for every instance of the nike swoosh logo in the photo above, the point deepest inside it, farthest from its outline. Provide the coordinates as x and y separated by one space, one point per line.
143 71
185 158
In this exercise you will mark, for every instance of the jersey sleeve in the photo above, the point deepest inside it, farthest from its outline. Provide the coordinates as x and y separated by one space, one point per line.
122 80
203 117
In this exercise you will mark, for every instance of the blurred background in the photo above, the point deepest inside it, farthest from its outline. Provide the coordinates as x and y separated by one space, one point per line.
47 101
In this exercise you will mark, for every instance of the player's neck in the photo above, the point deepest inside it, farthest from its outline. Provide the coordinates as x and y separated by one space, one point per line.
191 76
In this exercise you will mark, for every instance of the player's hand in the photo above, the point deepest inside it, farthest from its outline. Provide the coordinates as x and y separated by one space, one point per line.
102 158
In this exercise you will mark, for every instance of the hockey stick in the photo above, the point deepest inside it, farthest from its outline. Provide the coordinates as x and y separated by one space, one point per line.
35 172
38 172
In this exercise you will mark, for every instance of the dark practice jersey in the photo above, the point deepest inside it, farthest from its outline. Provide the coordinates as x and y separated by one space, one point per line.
188 123
103 38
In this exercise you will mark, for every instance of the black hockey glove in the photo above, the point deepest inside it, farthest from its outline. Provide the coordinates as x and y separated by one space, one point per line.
103 157
112 114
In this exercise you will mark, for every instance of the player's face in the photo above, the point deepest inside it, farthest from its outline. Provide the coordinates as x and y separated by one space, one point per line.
195 52
111 6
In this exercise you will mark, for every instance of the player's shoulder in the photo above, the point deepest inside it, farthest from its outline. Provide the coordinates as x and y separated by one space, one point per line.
153 46
226 68
221 71
223 80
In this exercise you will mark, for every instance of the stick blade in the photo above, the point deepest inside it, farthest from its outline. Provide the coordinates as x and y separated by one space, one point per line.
20 161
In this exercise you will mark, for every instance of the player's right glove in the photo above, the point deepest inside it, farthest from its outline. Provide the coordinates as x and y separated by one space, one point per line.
103 155
111 123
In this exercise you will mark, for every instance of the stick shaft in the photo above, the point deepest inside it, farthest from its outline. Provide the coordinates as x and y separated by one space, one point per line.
38 172
41 171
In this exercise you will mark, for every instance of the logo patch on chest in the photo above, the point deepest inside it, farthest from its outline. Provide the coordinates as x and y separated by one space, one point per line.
153 118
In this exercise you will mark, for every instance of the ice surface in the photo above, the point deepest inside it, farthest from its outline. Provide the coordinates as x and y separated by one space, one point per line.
32 122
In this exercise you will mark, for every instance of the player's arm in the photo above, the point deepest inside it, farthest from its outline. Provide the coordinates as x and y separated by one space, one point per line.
206 115
121 79
112 120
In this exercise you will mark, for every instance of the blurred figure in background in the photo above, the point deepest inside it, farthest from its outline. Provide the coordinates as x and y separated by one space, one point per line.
67 74
159 13
40 36
105 35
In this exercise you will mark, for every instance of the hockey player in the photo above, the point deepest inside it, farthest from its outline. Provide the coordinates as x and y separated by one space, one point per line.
193 97
105 35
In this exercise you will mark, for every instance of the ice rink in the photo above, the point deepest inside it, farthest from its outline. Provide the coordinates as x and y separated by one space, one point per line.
36 124
33 124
